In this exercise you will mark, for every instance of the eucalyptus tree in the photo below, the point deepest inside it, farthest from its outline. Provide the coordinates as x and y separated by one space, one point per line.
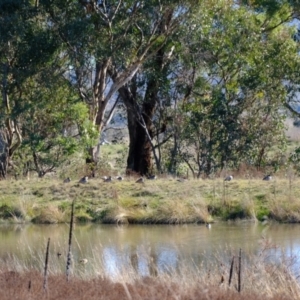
54 125
219 53
25 46
106 43
238 62
148 92
37 103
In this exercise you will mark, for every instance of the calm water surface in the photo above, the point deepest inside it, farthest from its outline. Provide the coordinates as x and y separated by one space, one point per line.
114 248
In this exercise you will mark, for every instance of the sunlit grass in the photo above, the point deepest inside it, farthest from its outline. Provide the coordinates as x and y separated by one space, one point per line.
164 200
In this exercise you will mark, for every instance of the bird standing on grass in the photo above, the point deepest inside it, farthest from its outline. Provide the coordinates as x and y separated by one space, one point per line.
267 177
68 179
119 178
140 180
151 177
181 179
108 179
228 178
84 179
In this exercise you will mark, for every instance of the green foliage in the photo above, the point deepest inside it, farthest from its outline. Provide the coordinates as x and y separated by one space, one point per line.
220 94
7 212
82 216
99 215
294 159
235 111
262 212
54 124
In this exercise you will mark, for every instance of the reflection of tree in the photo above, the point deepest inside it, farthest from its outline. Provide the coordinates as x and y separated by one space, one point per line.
152 262
134 258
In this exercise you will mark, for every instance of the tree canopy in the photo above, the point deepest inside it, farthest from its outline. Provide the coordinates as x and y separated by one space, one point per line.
204 83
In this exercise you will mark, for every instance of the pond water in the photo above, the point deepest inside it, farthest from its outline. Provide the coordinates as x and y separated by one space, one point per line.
147 249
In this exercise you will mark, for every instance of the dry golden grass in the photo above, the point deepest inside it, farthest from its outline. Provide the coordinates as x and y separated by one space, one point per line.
259 281
29 286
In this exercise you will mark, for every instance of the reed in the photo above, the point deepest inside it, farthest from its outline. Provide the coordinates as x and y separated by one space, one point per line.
69 255
46 266
163 286
240 272
231 271
264 279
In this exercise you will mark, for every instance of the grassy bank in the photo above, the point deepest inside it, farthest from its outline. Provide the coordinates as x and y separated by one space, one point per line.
164 200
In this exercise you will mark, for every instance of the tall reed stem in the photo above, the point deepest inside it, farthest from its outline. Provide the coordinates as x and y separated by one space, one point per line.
46 266
231 271
69 256
240 271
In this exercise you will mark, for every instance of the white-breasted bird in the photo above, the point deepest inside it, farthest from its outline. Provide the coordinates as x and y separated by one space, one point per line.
84 179
267 177
228 178
108 179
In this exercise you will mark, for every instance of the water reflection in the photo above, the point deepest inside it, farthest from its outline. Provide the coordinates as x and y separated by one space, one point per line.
147 249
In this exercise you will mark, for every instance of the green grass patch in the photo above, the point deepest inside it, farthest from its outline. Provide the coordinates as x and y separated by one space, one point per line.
157 201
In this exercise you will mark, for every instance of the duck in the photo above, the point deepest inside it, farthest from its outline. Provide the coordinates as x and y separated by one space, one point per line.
228 178
84 179
181 179
108 179
140 180
83 261
267 177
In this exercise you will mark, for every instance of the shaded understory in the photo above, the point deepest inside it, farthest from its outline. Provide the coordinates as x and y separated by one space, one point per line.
164 201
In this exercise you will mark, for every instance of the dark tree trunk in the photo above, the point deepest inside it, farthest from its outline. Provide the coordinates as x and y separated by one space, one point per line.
140 129
3 165
139 157
140 118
